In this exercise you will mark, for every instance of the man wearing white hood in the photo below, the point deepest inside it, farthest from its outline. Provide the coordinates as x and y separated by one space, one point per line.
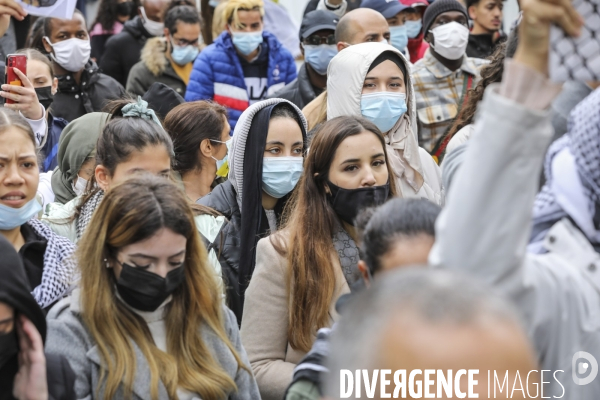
371 79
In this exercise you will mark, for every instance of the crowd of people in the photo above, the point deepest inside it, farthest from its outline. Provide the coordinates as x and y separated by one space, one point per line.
202 200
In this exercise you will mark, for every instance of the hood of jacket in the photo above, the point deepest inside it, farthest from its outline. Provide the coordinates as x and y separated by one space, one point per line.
345 77
240 135
154 55
14 287
135 27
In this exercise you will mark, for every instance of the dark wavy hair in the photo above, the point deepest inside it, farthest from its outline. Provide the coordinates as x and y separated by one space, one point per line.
107 13
492 73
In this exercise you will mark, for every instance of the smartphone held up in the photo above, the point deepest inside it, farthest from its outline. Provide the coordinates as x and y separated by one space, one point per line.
18 61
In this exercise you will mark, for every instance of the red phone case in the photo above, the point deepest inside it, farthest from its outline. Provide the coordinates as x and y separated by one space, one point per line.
18 61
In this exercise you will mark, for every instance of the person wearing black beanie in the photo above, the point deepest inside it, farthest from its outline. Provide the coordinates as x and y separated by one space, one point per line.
445 74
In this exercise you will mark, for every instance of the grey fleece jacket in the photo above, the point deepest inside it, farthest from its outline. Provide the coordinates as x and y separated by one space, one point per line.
68 337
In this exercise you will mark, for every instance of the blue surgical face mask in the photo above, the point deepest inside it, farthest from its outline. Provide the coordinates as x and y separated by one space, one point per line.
413 28
182 55
10 218
383 108
398 37
280 175
246 42
319 56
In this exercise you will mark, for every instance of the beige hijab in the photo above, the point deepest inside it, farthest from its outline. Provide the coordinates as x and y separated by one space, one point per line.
345 78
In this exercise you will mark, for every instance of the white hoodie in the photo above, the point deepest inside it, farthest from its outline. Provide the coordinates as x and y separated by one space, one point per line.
416 173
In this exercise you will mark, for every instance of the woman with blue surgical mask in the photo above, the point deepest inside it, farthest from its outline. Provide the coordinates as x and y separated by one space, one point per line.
373 80
303 269
46 256
265 163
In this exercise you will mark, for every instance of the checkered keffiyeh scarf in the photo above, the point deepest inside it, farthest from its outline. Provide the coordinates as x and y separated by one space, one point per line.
87 211
59 266
583 141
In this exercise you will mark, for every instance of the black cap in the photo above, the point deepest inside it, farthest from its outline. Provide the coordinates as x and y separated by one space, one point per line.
440 7
162 99
387 8
317 20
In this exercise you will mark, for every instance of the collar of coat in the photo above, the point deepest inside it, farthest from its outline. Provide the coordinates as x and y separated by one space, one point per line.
89 76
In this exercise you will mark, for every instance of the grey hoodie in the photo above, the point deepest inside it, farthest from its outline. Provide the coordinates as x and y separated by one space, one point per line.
416 173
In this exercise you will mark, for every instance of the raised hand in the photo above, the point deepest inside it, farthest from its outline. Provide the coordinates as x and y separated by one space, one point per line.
26 100
534 30
10 8
30 382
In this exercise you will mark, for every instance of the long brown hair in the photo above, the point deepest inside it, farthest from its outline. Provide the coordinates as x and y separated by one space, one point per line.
131 212
491 73
311 225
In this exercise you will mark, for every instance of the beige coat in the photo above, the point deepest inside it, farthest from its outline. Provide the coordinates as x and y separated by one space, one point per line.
416 173
265 321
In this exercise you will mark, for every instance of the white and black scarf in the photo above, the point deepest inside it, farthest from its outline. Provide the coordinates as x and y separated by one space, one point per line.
59 266
572 170
87 211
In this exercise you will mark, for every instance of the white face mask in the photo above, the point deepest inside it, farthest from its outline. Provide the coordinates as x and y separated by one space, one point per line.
79 186
152 27
450 40
71 54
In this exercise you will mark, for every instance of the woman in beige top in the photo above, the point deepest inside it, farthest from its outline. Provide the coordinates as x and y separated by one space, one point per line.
303 269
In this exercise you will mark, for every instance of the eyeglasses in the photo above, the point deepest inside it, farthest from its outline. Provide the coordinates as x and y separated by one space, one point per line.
316 40
185 42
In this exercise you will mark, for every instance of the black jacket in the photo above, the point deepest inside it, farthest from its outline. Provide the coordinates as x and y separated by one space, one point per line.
223 199
300 91
96 90
482 46
122 51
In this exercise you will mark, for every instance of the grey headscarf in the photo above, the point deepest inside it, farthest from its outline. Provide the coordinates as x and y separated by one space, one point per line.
77 142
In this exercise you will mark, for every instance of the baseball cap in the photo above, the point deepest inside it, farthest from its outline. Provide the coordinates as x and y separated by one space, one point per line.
387 8
317 20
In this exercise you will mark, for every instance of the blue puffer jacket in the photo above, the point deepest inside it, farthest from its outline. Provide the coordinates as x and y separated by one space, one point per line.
218 74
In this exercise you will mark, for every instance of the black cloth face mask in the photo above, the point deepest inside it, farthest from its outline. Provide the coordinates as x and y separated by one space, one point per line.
126 8
8 346
347 203
146 291
45 96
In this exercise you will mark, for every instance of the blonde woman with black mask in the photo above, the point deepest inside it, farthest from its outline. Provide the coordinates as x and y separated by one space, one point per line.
147 321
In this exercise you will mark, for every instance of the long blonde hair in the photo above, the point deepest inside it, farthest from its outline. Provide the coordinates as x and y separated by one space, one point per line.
129 213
